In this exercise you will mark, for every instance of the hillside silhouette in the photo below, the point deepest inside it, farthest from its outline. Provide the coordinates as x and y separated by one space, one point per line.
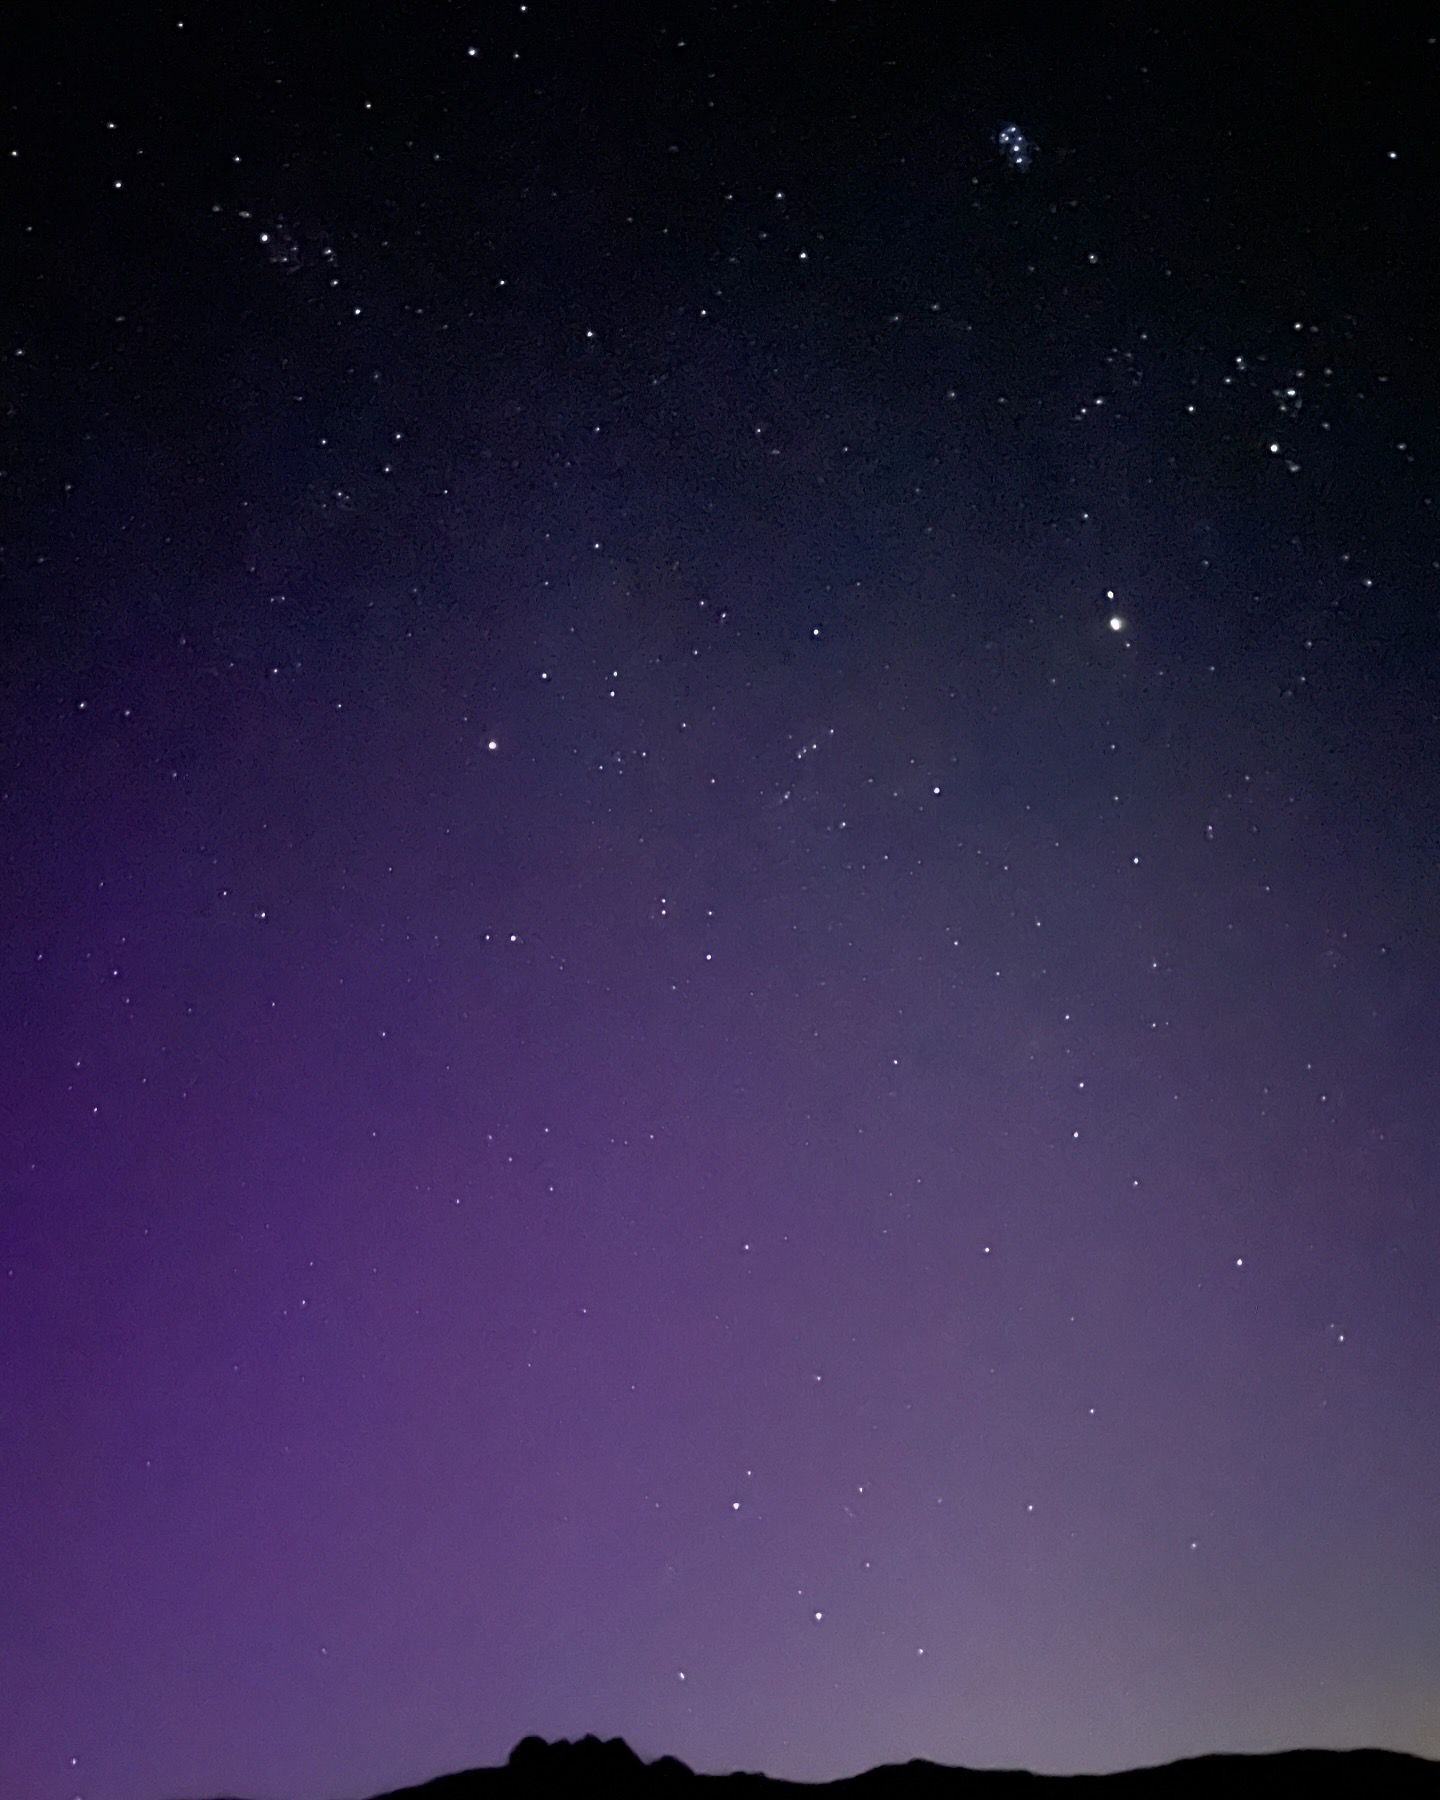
610 1768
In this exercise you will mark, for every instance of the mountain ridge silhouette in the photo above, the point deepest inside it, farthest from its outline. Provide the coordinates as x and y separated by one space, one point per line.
608 1767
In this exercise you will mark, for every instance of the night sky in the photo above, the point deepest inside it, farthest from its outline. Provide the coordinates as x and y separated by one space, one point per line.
720 862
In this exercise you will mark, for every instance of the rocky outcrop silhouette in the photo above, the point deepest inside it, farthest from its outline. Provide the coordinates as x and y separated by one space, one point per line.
608 1769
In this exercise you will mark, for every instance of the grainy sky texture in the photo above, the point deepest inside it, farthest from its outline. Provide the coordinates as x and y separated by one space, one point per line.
721 890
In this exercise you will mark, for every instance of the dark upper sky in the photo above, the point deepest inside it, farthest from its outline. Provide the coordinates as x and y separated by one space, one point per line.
721 875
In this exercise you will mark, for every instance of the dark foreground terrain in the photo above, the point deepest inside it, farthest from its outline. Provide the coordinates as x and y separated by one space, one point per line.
611 1768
